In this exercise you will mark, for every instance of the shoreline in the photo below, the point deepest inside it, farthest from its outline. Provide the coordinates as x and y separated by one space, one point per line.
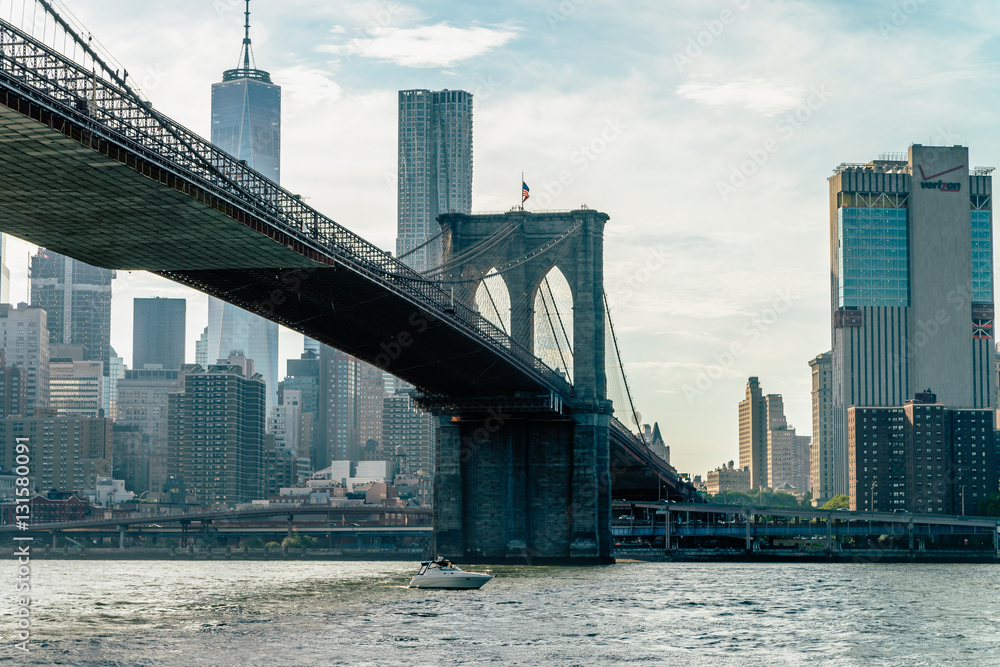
631 556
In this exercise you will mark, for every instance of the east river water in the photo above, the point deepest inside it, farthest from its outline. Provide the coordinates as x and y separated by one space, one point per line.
347 613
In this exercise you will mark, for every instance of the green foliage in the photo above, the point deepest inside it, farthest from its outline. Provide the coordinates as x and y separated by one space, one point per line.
807 500
299 541
253 543
990 505
273 545
839 501
209 541
776 499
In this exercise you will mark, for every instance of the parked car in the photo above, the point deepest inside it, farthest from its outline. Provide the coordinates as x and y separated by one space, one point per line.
626 517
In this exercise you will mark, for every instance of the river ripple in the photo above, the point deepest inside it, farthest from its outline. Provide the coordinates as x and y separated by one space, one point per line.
327 613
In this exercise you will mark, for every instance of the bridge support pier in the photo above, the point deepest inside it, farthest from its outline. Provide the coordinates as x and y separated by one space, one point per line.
121 537
666 531
523 489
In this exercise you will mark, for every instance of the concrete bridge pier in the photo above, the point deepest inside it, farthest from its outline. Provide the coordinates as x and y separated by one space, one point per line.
531 489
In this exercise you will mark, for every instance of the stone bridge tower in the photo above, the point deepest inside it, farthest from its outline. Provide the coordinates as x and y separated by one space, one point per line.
516 481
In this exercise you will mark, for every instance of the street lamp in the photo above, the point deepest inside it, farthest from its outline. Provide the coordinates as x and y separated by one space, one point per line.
872 507
963 500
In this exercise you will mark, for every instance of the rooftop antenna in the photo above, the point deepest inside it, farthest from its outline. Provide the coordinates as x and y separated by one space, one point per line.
247 67
246 41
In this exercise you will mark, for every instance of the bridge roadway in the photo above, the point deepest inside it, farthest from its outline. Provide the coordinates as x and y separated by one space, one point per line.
329 513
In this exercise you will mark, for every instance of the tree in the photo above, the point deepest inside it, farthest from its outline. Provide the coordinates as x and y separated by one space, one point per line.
990 505
253 542
758 498
839 501
807 499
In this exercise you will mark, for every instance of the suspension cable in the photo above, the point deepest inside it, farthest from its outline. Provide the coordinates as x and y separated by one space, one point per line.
422 245
510 266
621 366
474 251
554 336
552 298
493 303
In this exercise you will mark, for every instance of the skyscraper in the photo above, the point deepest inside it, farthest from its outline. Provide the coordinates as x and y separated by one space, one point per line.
821 449
753 434
303 377
911 285
25 339
435 169
246 113
350 406
246 123
216 434
77 299
143 399
76 387
201 349
158 332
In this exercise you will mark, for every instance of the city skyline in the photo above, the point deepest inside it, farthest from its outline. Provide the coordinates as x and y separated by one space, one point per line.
684 287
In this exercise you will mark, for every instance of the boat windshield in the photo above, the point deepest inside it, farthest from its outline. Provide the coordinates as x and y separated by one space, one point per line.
423 569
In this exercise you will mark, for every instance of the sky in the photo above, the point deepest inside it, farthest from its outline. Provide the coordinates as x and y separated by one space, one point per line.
706 129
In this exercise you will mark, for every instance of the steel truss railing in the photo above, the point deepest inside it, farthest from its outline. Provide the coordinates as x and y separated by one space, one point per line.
101 102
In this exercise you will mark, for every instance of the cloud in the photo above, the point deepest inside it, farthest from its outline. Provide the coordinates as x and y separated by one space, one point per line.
307 86
757 95
438 45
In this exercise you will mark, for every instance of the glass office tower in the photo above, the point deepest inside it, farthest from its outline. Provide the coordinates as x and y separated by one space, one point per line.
911 255
246 122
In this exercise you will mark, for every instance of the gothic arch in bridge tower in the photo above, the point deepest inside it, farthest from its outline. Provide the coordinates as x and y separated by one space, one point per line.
552 330
524 247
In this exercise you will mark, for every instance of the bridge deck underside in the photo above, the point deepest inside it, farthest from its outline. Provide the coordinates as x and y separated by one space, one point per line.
68 196
340 308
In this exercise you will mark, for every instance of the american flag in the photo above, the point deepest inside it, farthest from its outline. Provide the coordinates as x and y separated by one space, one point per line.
524 192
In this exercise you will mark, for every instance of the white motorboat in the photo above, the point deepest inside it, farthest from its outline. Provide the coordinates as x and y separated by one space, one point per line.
442 573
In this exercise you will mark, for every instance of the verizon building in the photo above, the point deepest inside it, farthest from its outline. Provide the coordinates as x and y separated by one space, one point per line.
911 259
